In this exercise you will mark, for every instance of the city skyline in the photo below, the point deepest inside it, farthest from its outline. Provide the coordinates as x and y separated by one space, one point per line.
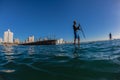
43 18
9 38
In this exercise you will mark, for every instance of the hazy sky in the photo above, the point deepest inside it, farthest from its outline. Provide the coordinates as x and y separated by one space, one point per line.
55 17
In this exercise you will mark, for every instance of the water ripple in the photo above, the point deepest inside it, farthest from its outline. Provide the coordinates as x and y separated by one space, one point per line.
92 61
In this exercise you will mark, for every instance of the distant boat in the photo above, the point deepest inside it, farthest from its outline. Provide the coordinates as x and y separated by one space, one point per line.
44 42
9 44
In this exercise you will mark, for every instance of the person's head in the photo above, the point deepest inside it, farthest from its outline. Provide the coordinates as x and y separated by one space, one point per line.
74 22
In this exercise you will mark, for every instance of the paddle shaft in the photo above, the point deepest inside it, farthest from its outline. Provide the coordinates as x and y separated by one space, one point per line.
82 31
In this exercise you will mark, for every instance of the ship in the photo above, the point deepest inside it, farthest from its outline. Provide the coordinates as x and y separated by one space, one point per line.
44 42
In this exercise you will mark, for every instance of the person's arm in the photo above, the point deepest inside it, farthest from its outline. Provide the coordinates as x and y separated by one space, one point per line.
75 28
79 28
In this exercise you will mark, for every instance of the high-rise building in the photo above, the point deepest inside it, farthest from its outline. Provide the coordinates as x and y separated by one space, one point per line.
0 40
31 39
16 41
60 41
8 36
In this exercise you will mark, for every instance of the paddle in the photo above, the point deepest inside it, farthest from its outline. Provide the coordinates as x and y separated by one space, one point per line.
82 31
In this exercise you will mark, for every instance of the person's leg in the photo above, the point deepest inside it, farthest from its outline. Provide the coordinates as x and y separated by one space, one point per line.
78 41
75 37
74 41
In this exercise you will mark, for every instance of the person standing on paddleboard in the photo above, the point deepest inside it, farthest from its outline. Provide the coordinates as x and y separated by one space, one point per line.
110 36
76 34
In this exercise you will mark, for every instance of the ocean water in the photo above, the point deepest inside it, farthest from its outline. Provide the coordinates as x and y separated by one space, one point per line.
92 61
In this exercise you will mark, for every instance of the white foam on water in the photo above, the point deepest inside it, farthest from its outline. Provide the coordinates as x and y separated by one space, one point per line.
7 71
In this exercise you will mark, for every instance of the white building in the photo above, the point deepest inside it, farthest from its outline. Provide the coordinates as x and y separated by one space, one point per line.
60 41
16 41
45 38
1 40
8 36
31 39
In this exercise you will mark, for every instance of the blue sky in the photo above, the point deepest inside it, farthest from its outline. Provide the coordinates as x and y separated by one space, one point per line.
55 17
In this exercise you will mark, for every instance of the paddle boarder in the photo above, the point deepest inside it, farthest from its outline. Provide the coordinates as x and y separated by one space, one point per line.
76 34
110 36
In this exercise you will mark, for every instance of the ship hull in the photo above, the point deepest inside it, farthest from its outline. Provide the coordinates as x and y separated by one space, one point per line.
45 42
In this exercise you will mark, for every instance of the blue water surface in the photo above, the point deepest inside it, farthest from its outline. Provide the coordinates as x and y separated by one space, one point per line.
98 60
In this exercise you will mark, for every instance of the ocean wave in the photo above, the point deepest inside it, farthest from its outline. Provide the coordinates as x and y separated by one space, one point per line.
92 61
